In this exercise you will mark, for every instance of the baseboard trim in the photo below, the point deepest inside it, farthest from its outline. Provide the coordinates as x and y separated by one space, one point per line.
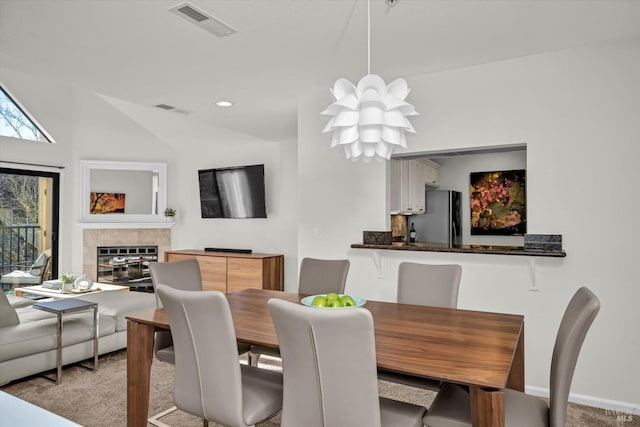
616 406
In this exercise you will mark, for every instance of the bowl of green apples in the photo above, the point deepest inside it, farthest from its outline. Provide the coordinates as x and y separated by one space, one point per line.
333 300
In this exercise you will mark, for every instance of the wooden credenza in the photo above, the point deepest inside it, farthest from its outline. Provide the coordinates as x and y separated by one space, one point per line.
229 272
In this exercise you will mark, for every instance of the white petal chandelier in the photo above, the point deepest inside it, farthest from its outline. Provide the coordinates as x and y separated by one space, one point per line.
369 120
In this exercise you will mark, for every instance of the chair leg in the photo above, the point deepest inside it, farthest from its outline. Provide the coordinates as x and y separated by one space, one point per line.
155 420
253 358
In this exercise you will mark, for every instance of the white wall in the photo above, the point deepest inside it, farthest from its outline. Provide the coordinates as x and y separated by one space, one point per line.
577 112
274 234
90 126
84 127
52 105
199 145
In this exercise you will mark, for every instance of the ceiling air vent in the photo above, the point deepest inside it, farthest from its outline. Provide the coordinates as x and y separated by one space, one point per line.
192 13
202 19
171 108
165 106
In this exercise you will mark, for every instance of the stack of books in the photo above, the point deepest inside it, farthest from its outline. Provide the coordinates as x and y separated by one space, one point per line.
52 284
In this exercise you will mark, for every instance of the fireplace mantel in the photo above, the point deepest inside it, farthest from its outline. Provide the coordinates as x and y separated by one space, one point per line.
96 225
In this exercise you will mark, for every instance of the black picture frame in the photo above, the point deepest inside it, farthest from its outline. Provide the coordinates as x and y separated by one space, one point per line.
498 203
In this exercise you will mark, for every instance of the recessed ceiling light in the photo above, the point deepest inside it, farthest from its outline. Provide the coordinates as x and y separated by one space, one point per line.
224 103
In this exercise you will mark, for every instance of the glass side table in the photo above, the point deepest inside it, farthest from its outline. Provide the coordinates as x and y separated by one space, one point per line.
64 306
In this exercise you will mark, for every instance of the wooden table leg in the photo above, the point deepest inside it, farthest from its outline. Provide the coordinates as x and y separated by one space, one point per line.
487 404
139 358
487 407
516 375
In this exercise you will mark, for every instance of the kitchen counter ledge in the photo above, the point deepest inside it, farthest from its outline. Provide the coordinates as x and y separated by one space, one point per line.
466 249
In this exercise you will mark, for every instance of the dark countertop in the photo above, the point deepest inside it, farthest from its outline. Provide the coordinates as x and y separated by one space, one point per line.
466 249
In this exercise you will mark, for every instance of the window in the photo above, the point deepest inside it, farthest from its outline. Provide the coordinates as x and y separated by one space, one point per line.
16 122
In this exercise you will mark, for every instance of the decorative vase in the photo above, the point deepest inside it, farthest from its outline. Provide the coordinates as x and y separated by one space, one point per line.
67 286
83 283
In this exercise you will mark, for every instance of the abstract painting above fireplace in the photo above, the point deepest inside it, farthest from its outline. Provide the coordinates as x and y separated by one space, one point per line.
107 203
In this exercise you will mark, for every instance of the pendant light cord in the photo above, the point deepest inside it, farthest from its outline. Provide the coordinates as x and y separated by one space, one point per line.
368 37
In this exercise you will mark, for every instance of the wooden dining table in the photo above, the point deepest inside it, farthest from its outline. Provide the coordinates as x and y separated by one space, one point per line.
482 350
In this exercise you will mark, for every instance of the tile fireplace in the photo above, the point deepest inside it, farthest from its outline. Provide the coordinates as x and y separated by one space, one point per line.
121 240
126 265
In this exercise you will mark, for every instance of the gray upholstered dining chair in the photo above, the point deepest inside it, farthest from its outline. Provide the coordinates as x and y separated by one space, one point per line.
451 407
429 284
209 381
321 276
329 370
184 275
317 276
425 284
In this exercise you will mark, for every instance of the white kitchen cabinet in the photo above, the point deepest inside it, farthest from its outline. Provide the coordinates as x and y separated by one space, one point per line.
395 190
408 180
432 173
416 186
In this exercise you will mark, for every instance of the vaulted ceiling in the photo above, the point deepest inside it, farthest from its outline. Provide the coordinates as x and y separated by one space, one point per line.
137 51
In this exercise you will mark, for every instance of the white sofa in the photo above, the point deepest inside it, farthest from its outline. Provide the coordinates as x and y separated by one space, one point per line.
28 336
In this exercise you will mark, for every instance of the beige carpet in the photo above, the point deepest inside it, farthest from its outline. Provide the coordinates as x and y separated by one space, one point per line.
99 398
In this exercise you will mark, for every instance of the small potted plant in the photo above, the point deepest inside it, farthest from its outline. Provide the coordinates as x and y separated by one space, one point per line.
169 213
67 281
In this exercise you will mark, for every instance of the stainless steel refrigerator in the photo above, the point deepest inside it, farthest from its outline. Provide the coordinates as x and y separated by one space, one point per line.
441 222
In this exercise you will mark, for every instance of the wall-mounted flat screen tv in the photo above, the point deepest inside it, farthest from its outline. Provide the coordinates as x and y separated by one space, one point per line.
235 192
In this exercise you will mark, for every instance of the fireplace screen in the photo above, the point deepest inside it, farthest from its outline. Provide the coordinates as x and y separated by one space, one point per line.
127 266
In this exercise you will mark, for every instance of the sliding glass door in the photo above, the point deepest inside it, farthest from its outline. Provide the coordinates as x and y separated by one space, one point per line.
29 216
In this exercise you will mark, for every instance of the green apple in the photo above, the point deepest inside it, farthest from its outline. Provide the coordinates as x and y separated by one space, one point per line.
347 301
334 302
319 301
332 295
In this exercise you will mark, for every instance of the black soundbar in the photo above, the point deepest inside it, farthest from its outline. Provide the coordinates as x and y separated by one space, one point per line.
240 251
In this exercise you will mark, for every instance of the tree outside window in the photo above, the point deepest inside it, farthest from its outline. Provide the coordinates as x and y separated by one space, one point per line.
15 123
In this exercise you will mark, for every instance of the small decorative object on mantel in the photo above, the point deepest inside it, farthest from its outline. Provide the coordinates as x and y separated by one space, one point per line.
543 242
169 214
376 237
